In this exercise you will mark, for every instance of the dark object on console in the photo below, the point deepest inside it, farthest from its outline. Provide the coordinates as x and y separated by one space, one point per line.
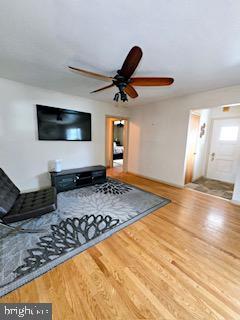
76 178
16 206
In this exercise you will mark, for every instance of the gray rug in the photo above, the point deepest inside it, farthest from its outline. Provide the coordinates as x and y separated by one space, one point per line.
84 217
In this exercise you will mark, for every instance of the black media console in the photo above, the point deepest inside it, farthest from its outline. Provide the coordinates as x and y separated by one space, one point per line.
77 178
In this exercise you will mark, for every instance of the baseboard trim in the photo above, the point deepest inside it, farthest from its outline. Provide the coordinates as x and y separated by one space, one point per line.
156 180
237 203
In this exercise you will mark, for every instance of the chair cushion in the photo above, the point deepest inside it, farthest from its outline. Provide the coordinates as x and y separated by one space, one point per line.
8 193
32 204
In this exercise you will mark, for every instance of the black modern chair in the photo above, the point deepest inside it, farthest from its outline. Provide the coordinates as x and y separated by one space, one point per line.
16 206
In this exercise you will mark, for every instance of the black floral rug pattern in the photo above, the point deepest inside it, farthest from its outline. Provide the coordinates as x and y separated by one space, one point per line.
113 187
67 235
84 217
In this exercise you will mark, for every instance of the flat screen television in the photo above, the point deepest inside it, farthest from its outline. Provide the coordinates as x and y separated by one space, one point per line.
63 124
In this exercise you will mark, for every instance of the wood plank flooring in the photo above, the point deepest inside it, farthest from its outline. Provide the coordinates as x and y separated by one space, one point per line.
180 262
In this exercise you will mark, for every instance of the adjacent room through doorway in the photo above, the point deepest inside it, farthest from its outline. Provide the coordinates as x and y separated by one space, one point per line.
213 150
116 143
118 148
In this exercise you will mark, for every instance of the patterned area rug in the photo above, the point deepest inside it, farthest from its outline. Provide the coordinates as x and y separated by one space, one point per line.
84 217
213 187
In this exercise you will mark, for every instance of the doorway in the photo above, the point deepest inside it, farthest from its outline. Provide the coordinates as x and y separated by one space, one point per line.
117 143
192 146
213 160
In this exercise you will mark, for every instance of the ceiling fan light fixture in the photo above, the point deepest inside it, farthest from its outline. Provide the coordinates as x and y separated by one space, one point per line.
116 97
119 123
123 96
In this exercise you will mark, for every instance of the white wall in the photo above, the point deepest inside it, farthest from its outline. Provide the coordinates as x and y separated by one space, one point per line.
236 191
216 113
23 156
158 133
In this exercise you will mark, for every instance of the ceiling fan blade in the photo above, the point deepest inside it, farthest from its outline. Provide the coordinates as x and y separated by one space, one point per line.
154 81
131 91
92 74
111 85
131 62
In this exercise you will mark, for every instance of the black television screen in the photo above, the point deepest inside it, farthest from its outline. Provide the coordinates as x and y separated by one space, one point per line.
63 124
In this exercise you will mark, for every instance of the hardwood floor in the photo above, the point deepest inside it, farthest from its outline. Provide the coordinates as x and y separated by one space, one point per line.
180 262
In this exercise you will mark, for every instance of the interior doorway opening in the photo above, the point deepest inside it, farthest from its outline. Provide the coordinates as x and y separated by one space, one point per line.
213 150
118 148
117 143
193 132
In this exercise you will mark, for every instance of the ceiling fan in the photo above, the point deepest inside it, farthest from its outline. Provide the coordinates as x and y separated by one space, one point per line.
123 79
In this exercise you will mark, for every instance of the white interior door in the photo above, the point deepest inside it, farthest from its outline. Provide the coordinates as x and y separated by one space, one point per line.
224 150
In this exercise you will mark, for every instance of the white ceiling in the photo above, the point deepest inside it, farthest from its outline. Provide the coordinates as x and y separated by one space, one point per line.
196 42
